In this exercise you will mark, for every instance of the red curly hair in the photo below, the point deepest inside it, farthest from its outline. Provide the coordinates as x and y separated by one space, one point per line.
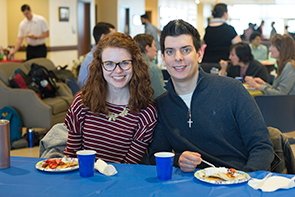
95 90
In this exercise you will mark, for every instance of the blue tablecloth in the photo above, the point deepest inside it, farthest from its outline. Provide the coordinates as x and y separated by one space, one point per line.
22 179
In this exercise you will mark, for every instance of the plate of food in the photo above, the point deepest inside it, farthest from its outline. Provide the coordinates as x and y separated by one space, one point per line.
222 176
248 87
58 164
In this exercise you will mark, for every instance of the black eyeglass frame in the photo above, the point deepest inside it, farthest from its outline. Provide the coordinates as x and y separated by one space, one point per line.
117 64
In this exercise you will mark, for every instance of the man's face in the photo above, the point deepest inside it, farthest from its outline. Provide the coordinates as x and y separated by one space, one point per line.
181 58
143 20
28 14
256 41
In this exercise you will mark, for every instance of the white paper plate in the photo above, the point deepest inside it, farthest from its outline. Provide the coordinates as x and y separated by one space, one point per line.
40 163
200 174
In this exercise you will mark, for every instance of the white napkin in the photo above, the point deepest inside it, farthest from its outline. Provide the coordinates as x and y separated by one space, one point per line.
105 168
273 183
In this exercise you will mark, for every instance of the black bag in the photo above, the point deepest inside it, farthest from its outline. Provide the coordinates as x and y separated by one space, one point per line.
61 74
42 77
20 80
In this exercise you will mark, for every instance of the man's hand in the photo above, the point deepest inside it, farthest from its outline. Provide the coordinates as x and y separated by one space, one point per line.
188 161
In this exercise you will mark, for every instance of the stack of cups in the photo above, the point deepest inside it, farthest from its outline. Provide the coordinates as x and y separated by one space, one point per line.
164 162
86 162
4 144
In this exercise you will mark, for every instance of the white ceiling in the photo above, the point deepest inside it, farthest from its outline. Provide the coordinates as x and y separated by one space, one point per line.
231 2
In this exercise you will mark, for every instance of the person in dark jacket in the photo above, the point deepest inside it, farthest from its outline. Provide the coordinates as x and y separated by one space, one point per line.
242 63
203 116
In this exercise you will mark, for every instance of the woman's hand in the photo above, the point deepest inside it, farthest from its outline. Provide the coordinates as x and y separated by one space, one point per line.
188 161
223 65
254 82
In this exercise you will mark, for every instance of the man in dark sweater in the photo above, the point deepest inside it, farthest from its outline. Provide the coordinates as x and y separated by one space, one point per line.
202 116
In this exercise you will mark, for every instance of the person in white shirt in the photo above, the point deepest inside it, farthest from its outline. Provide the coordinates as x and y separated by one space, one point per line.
258 50
34 29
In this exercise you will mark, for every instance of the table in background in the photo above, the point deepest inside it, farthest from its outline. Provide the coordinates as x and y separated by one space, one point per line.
255 92
22 179
16 60
269 66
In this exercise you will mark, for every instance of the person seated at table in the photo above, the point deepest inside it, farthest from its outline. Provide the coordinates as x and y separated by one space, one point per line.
219 35
114 113
204 116
148 51
283 50
258 50
242 63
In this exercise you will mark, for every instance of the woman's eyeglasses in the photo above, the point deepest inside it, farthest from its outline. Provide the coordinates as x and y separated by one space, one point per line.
111 66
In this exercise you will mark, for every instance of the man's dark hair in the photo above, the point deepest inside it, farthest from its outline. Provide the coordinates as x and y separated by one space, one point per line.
179 27
254 35
101 28
144 16
25 7
219 10
243 52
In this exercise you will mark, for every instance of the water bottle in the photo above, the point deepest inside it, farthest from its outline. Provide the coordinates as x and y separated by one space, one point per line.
214 71
4 144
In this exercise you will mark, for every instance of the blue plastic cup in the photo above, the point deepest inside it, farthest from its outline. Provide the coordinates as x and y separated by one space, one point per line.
239 78
164 162
86 160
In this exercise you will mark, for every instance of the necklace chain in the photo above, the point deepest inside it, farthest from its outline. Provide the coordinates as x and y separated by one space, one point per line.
113 117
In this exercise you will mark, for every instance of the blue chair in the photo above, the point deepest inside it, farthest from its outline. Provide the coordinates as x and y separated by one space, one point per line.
278 111
73 84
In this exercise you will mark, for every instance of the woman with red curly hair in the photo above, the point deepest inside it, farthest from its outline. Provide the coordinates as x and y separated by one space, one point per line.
114 112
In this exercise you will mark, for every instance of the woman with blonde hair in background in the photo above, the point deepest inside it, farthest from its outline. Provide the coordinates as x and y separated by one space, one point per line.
283 50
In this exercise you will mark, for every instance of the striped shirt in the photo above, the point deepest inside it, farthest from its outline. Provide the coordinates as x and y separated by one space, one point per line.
121 141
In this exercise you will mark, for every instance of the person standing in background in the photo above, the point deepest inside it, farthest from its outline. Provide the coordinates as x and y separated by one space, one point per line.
260 29
34 29
219 36
99 31
273 30
148 50
150 29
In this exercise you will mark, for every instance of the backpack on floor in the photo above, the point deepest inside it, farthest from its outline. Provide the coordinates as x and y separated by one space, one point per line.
42 77
16 124
20 80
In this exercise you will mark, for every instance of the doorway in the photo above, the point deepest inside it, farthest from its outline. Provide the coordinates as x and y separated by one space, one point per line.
84 41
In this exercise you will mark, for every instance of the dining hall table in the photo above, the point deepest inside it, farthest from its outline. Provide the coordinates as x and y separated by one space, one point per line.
23 179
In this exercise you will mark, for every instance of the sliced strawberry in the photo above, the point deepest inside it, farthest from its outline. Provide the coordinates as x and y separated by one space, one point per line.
53 165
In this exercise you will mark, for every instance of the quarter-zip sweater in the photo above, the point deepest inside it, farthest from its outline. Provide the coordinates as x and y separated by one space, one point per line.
227 130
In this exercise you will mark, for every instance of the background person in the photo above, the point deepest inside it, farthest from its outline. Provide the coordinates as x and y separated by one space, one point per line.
150 29
34 29
219 36
204 116
99 31
242 63
113 114
283 50
273 30
258 50
148 50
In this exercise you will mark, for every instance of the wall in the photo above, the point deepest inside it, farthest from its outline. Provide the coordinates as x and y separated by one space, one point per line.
107 11
136 7
152 5
3 29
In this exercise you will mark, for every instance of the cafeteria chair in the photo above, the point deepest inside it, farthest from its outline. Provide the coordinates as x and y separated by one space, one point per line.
283 161
278 111
206 66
